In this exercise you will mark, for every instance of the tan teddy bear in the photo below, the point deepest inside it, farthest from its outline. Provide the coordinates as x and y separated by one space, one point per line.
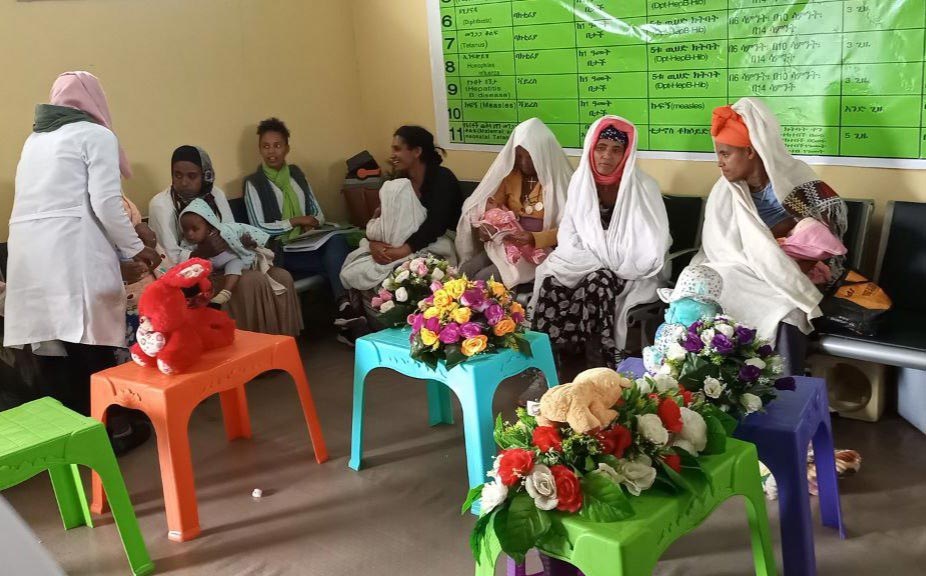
586 403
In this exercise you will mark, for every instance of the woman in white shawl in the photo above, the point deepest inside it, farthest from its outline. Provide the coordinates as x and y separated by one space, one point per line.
613 240
529 177
762 194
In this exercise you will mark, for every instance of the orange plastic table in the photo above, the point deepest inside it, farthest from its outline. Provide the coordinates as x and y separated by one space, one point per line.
169 400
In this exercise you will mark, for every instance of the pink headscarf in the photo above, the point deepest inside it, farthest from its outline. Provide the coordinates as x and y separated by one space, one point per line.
631 132
82 90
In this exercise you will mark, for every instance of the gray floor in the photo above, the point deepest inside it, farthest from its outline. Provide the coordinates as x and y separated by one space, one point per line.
400 515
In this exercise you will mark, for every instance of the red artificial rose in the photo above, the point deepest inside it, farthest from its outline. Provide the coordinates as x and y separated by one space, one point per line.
686 395
567 489
671 415
547 438
615 440
513 464
673 461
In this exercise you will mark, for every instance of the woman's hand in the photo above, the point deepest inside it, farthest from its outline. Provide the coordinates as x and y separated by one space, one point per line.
522 238
212 246
148 257
248 242
385 254
304 222
132 271
146 235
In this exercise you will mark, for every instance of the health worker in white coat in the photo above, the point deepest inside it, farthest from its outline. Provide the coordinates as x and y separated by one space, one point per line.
71 242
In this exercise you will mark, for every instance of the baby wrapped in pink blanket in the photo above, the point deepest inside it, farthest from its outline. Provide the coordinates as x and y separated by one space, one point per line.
500 222
811 241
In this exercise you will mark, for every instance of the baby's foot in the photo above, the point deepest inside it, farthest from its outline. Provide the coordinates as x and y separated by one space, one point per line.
221 298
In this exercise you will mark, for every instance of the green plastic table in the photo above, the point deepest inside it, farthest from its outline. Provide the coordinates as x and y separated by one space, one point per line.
632 547
44 435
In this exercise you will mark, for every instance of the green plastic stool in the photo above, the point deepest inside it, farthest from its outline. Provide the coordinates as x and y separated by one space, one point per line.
632 547
44 435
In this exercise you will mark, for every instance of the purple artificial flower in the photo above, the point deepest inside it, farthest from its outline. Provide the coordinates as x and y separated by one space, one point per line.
473 298
749 373
745 335
692 343
722 344
764 351
517 317
786 383
435 286
471 330
494 314
432 324
416 321
481 284
695 327
450 334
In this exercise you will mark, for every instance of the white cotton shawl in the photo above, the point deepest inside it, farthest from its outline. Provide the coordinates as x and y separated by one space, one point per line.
401 214
762 286
553 172
634 245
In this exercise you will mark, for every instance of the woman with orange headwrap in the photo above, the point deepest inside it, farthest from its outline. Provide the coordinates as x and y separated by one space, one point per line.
763 194
612 243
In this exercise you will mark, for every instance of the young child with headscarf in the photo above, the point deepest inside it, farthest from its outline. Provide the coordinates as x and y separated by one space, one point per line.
244 246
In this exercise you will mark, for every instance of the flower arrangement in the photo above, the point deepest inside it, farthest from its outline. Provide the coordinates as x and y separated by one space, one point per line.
462 318
726 366
406 285
544 473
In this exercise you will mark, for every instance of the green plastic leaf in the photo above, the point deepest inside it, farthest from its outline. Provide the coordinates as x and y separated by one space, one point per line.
675 478
603 500
473 495
520 525
716 436
524 346
454 356
556 540
478 536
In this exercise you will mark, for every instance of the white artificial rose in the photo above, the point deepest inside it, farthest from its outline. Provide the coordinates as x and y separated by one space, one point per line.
667 369
389 284
637 475
693 437
725 329
541 486
610 472
416 263
751 402
707 336
757 362
650 426
713 387
437 274
401 295
664 383
643 385
387 306
676 352
493 494
402 276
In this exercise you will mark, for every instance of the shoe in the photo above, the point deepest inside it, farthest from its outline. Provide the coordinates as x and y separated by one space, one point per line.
130 437
347 315
536 389
348 335
221 298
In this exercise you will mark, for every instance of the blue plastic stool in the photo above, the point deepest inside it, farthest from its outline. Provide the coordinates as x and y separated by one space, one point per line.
781 435
474 382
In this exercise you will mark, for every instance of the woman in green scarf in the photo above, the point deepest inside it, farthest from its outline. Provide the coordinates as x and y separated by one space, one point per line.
280 202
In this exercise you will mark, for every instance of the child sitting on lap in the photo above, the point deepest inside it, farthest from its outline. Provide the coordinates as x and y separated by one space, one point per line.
244 246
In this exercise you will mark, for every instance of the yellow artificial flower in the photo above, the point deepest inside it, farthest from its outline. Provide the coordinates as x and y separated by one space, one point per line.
462 315
505 326
455 288
498 289
442 299
428 338
516 308
475 345
431 312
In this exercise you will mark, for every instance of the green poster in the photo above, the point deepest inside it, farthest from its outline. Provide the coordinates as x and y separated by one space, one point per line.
845 77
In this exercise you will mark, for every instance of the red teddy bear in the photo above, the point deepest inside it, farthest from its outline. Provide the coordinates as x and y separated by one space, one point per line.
171 334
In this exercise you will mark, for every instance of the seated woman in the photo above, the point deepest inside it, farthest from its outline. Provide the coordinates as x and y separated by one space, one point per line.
528 179
254 306
613 240
280 202
415 157
762 195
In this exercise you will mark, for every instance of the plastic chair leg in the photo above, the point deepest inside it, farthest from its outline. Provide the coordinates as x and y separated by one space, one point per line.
235 413
288 359
98 496
356 429
477 431
790 471
177 476
515 569
103 461
440 410
824 457
69 491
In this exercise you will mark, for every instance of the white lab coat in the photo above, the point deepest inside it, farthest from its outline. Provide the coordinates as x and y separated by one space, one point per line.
164 220
68 221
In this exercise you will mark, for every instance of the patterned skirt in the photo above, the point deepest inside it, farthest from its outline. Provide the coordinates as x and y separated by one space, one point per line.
581 317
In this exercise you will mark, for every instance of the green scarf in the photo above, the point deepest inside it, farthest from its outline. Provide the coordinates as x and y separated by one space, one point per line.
49 117
291 208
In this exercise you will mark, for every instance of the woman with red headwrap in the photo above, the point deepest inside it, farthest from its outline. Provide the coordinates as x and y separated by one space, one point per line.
611 249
